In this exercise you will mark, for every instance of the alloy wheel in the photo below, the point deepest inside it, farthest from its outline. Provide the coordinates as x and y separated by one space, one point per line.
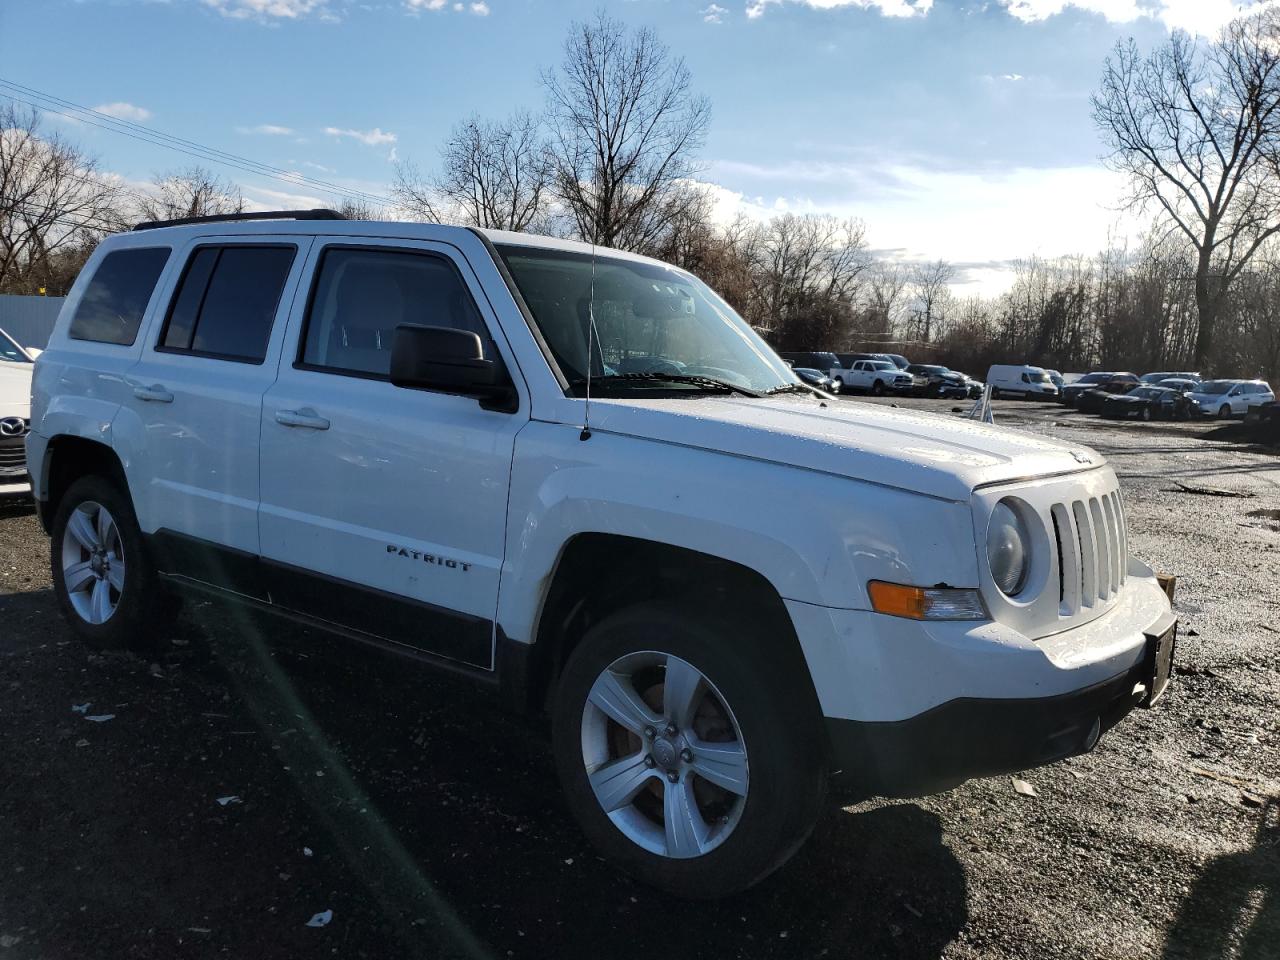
664 755
93 563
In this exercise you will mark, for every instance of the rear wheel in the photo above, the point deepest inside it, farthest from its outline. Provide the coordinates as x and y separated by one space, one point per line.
694 764
995 393
102 574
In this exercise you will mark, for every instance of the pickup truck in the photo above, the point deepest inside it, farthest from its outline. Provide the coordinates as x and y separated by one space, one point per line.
874 376
574 477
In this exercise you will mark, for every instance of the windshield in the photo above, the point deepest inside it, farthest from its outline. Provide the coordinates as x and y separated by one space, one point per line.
1215 387
10 351
1038 376
1145 393
1094 378
650 320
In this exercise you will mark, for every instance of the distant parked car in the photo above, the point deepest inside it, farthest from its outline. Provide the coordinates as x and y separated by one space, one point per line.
817 379
1179 383
1232 398
1168 375
938 381
875 376
1058 380
813 360
897 359
1020 380
1092 400
16 365
1149 403
1107 381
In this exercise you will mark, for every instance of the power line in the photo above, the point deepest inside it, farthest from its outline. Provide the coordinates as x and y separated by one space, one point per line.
73 111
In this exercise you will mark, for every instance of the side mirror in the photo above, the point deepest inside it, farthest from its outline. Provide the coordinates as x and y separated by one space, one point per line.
448 360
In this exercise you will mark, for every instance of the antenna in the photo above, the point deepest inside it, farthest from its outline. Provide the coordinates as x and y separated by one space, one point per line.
591 337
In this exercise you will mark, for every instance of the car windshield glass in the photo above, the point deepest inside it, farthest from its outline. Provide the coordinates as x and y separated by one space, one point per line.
10 351
1215 387
1094 378
1145 393
1038 376
651 319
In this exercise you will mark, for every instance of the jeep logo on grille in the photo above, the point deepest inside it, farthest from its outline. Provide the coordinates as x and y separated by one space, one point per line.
13 427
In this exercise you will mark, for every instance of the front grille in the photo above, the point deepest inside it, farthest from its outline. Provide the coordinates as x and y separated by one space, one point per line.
1093 551
13 456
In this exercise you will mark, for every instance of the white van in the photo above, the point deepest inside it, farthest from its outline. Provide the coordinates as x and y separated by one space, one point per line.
1020 380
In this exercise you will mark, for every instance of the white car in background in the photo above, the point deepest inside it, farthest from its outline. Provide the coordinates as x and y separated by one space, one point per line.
1231 398
16 364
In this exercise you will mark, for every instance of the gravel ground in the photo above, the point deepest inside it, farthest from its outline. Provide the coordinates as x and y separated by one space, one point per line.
430 824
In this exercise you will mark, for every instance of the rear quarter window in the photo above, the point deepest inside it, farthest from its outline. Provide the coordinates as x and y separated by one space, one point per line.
116 299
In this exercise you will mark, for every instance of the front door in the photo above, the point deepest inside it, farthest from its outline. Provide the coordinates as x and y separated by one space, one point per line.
384 508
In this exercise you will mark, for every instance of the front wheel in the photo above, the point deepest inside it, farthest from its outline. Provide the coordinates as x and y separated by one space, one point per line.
693 763
1146 414
877 388
1224 412
995 393
102 574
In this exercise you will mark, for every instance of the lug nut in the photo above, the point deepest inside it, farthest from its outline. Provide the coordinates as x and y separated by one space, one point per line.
650 733
686 755
672 730
673 776
648 762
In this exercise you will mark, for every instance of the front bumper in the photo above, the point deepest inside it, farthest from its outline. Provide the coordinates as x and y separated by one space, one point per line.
916 707
968 738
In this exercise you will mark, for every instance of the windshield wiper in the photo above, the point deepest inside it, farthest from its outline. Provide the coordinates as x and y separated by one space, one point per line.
796 388
682 378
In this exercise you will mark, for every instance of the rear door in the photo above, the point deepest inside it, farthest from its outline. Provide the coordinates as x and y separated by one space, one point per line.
384 508
197 395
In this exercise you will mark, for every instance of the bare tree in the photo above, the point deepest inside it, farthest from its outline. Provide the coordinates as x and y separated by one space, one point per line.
1197 130
52 198
492 174
625 126
193 192
930 285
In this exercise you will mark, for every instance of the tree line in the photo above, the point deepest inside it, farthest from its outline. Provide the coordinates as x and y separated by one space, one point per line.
613 158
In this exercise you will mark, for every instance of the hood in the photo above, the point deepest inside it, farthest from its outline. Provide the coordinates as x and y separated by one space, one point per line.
936 455
15 389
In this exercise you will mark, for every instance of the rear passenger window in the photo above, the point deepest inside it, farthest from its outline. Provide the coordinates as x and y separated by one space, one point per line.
117 296
227 301
362 295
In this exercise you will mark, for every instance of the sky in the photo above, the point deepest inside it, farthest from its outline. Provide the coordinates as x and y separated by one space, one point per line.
956 129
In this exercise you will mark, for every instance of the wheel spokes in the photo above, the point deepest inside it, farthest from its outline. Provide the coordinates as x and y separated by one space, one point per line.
100 602
614 694
115 574
686 831
681 691
82 528
617 783
724 764
106 528
78 576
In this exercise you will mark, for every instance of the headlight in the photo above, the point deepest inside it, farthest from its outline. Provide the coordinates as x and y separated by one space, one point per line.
1007 549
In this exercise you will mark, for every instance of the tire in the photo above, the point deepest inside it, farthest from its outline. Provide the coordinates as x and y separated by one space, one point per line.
1146 414
112 596
1224 412
771 715
877 388
995 393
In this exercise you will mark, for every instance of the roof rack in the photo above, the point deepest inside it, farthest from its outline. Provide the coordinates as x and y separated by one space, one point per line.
319 213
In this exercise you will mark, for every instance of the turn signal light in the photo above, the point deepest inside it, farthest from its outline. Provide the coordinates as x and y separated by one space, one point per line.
926 603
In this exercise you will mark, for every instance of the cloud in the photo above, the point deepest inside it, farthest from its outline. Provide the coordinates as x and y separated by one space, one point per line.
713 14
889 8
480 9
370 138
270 9
1203 17
124 111
267 130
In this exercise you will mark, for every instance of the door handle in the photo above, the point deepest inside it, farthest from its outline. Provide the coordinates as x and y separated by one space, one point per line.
306 417
155 393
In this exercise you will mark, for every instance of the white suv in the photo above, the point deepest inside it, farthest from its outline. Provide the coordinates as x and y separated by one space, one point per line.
1231 398
384 429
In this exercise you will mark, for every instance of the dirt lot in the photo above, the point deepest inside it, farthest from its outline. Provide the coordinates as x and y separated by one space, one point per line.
430 825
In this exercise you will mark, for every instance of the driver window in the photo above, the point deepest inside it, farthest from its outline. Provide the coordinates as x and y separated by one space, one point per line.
361 295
